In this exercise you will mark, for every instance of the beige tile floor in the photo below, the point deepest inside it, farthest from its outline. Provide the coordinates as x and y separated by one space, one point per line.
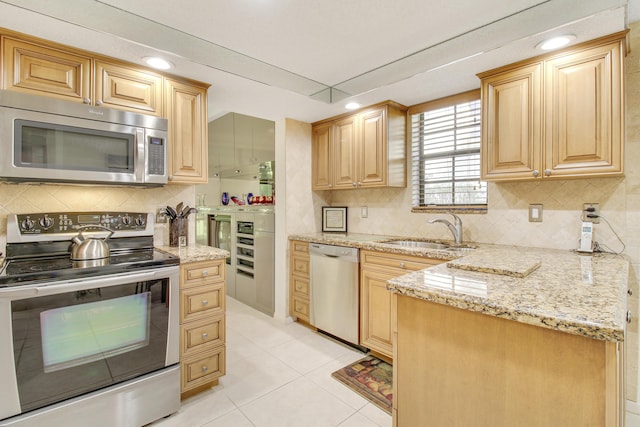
278 375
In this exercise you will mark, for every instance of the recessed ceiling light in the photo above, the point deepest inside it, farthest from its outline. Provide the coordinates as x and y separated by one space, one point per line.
159 63
352 106
556 42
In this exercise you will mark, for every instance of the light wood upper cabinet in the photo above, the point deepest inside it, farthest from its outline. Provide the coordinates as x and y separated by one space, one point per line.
186 109
511 122
365 149
321 153
345 152
556 116
584 112
42 70
126 88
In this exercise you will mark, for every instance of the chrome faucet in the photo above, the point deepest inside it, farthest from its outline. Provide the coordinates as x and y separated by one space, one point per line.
456 230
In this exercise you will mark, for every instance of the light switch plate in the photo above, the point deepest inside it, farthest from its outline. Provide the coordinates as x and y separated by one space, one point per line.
364 211
535 213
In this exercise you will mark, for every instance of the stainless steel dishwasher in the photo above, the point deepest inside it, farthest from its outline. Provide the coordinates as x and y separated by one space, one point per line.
334 290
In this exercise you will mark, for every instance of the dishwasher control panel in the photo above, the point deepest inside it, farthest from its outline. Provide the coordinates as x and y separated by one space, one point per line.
333 251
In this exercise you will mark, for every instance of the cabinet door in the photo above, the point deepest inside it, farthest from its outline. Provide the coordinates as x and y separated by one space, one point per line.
375 311
41 70
321 170
186 108
372 150
125 88
344 145
511 127
583 106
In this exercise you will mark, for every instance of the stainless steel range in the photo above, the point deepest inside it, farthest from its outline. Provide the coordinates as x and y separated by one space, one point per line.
89 327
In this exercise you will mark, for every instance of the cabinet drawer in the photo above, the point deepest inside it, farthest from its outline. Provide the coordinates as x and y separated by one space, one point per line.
200 273
202 334
300 308
298 247
300 286
202 368
201 301
300 265
402 262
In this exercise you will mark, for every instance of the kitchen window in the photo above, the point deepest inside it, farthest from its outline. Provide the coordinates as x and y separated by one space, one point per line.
445 142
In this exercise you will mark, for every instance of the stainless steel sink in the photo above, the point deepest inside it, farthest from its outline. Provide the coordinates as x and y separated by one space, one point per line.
418 244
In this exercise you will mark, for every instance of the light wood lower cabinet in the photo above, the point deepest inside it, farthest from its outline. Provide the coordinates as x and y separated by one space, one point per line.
375 300
202 325
299 290
455 367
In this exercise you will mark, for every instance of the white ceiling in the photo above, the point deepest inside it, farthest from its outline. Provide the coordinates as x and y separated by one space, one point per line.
279 52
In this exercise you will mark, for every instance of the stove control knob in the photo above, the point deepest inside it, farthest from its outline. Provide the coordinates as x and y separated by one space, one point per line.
27 224
140 221
126 220
46 222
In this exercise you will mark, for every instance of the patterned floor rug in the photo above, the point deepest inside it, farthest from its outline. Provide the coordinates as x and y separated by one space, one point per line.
370 377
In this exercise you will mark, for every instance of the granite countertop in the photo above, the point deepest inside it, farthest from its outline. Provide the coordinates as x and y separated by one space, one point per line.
557 289
377 242
196 252
579 294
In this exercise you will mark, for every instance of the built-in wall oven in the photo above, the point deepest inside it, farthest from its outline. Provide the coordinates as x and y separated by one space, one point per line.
87 343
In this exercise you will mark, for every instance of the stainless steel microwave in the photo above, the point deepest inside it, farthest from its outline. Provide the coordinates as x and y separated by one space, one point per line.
48 140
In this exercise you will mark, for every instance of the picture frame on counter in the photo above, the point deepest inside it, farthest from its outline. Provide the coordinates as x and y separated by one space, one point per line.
334 218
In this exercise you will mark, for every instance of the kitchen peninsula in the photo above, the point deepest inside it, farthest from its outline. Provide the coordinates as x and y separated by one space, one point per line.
511 334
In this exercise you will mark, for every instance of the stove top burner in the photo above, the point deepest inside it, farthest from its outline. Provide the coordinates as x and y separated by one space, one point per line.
40 269
39 246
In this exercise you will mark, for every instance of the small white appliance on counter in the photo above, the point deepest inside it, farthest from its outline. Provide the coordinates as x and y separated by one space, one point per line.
586 237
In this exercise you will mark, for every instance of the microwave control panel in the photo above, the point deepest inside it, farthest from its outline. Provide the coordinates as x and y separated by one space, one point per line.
64 222
156 155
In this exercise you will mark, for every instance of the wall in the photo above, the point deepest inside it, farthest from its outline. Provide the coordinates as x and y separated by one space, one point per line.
506 222
30 198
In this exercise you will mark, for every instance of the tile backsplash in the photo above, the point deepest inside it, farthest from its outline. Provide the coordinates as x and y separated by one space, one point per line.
34 198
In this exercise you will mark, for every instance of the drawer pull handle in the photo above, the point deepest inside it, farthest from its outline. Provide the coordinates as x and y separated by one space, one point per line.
402 265
205 368
629 317
205 336
629 292
205 273
205 302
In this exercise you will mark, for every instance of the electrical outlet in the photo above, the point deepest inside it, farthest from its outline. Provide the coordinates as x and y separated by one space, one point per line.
535 213
591 208
161 216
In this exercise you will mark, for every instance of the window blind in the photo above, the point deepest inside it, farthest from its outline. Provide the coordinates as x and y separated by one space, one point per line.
446 156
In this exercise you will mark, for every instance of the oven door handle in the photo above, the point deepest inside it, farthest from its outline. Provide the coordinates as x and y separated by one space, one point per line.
80 284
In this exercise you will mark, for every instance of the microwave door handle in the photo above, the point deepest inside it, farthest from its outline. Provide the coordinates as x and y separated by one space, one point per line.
140 160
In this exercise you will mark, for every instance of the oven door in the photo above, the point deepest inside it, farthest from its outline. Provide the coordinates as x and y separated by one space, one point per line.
70 338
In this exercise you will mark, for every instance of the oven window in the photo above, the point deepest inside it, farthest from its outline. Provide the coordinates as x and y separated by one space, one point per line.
79 334
72 343
51 146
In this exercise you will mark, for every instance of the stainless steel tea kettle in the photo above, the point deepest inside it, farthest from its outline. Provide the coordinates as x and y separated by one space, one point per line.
90 248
